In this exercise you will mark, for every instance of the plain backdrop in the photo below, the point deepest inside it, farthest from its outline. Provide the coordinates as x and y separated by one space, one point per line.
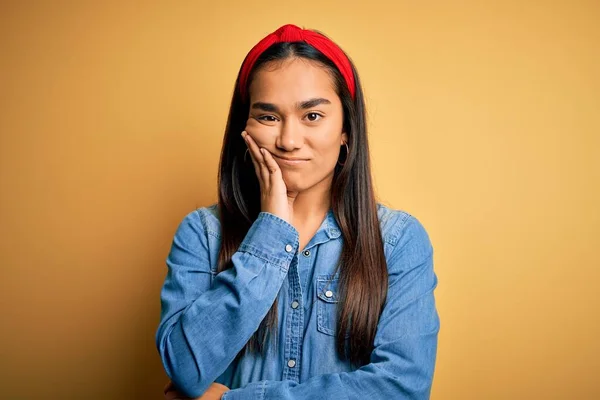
484 124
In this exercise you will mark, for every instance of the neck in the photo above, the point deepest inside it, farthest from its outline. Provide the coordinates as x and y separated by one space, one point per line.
312 205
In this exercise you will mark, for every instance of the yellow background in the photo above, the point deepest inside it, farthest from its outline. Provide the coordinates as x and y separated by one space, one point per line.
484 124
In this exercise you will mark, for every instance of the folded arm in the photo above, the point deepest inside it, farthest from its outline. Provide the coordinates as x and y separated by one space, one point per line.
205 324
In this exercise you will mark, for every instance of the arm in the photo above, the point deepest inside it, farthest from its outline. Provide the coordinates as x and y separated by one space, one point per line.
203 326
402 362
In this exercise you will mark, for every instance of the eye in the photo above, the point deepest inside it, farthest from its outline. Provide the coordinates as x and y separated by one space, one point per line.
268 118
312 117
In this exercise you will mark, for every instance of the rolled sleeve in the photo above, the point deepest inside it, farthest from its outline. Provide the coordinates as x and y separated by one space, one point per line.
278 247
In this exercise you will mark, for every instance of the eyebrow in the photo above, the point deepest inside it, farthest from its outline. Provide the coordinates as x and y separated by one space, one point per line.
303 105
312 103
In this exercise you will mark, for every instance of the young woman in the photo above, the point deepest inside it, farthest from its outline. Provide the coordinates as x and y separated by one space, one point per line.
298 284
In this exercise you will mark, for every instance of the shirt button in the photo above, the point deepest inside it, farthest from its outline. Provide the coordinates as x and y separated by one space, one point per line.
295 304
329 293
291 363
288 248
306 253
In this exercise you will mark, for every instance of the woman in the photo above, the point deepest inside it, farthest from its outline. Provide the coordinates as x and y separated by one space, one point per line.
298 284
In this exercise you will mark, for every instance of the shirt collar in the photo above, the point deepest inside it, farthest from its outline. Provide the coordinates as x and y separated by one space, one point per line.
328 230
331 226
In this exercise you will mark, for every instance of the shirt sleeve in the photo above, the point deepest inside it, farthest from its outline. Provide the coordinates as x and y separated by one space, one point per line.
203 325
403 360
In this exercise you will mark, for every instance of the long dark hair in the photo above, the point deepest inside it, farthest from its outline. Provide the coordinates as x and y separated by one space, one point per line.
363 278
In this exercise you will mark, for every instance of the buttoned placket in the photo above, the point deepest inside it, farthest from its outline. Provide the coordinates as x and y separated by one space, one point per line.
295 328
295 320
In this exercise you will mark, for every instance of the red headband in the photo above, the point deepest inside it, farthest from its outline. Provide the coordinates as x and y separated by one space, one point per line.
292 33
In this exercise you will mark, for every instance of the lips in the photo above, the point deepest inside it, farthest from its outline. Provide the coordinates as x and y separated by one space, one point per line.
291 162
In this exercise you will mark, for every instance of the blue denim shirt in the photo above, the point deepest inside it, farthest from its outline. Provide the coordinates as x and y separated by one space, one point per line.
206 318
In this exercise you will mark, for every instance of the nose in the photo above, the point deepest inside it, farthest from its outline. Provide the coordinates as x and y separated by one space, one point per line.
290 136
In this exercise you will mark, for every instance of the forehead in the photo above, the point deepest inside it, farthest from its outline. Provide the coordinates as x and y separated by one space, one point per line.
291 81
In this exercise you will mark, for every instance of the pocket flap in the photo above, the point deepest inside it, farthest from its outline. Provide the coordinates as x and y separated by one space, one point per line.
327 289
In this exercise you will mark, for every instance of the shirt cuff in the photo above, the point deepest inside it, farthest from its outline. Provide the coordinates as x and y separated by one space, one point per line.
252 391
273 239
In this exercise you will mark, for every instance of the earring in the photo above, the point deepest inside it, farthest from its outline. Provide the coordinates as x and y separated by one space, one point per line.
347 152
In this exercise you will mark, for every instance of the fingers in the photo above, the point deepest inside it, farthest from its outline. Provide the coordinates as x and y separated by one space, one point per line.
263 172
247 139
260 166
171 392
273 167
169 386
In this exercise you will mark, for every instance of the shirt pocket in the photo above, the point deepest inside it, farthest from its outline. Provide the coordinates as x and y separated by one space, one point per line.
327 304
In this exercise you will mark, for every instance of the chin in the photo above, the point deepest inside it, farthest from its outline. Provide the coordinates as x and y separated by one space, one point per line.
299 184
294 185
295 182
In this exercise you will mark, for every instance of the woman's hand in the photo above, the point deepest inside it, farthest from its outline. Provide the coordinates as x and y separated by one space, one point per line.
214 392
274 197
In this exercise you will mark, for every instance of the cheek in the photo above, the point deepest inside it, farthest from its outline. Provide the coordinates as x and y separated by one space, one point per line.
332 156
326 157
262 134
327 143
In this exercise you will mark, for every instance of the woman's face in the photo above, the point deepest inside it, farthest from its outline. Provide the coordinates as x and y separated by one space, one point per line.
296 114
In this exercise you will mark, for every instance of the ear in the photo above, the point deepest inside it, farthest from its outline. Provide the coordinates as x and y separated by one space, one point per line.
344 138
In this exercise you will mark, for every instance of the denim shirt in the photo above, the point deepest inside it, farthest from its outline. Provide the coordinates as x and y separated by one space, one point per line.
206 318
